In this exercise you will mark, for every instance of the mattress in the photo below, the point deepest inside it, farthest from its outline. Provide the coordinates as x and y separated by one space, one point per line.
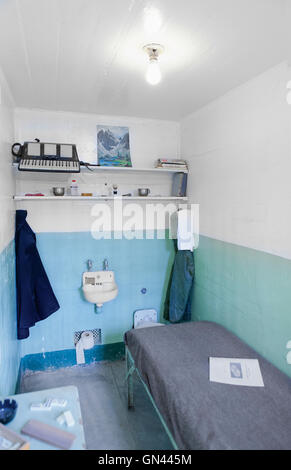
174 364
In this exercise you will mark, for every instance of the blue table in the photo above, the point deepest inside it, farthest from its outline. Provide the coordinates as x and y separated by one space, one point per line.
24 414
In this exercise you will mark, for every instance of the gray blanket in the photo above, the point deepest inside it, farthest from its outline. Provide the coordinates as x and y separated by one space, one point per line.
173 362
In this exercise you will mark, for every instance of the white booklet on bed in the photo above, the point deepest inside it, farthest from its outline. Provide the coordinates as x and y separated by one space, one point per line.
245 372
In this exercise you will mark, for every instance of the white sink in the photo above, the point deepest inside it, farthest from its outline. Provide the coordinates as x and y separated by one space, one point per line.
99 287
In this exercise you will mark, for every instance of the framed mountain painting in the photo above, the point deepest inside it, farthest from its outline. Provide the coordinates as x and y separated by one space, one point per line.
113 146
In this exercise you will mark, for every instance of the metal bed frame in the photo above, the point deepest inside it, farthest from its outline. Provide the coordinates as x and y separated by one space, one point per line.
130 370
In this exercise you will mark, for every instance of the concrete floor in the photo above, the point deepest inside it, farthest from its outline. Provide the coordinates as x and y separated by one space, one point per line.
108 424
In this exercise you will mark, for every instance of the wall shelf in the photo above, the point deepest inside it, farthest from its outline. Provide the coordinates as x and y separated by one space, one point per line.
134 170
101 169
99 198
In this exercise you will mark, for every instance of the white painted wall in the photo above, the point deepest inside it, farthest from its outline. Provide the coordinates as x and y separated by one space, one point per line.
7 180
9 346
238 147
149 140
239 150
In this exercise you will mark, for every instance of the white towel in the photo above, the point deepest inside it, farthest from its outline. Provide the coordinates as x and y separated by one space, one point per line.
185 232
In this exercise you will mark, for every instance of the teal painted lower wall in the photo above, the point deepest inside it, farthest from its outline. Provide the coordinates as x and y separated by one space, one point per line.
248 292
67 358
137 264
9 346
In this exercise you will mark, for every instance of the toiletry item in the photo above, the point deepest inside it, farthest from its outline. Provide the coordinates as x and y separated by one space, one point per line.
185 231
74 188
144 192
114 190
85 342
105 191
87 194
59 191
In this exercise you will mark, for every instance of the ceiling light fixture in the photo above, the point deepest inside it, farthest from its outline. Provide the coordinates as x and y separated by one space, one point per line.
153 51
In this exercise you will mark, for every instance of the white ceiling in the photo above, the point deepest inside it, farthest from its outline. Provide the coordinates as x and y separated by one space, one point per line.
86 55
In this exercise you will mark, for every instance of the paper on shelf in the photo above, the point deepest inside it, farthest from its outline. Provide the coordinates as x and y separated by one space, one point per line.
244 372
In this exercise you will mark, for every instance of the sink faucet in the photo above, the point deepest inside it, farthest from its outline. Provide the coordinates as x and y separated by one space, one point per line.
105 265
90 264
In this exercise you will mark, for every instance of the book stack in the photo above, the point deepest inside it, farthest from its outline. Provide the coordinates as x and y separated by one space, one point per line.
176 164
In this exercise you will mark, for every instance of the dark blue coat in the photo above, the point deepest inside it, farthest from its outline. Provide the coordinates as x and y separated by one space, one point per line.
178 302
35 297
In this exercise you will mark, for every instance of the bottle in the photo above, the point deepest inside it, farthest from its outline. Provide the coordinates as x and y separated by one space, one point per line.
74 188
114 190
105 190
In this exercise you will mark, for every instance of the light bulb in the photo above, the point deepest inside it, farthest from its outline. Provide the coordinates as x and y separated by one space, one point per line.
153 75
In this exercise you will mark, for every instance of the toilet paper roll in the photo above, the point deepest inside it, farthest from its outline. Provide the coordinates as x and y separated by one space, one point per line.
85 342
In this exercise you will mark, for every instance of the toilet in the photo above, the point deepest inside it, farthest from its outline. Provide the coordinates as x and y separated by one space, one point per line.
146 318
